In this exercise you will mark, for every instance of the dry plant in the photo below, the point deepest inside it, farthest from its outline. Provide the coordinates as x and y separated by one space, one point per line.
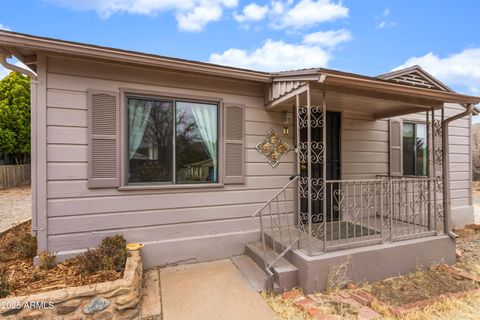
4 286
463 309
284 308
337 276
47 260
111 254
26 246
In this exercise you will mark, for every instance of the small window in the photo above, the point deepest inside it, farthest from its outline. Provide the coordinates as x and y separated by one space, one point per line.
172 142
414 149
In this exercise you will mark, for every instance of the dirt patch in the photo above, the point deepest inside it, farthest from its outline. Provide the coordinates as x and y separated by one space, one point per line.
15 207
24 278
419 286
469 246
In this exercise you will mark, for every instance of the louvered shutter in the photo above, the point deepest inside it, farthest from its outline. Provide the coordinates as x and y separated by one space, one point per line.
234 127
396 147
103 139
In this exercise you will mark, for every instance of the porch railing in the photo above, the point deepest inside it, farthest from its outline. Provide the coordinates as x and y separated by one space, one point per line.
277 224
349 213
362 212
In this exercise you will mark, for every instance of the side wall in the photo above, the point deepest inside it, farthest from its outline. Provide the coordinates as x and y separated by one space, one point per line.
365 155
175 225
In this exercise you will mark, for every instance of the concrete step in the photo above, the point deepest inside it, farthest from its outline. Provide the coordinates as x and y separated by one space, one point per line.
251 271
285 273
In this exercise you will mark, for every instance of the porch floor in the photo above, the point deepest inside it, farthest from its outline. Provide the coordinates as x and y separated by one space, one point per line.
347 234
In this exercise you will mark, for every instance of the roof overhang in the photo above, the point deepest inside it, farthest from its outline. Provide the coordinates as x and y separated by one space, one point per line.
378 97
25 48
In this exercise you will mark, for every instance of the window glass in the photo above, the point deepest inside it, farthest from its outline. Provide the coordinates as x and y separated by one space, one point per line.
171 141
408 149
150 140
421 150
414 149
196 142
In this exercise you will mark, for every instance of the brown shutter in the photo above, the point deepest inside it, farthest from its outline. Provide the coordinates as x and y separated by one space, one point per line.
234 127
103 139
396 147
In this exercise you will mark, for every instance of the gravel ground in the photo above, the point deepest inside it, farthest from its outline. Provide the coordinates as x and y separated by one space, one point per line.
15 207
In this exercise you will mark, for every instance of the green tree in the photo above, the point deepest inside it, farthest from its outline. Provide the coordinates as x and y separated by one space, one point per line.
15 117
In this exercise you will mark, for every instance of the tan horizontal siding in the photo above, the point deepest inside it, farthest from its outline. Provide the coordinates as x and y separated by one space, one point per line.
103 221
78 206
78 188
152 233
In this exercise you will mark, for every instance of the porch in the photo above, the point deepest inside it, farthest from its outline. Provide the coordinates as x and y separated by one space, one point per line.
321 215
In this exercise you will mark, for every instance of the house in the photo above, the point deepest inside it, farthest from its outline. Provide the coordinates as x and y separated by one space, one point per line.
298 169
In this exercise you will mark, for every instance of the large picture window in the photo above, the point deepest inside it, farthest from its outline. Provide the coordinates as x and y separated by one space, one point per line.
172 141
414 149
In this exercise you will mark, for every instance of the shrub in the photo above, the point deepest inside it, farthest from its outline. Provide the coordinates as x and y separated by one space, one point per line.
111 254
25 246
47 260
115 248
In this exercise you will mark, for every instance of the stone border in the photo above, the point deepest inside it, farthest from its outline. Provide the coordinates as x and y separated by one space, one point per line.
367 299
106 300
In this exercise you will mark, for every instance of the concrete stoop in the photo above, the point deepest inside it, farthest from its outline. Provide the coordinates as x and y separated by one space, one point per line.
369 263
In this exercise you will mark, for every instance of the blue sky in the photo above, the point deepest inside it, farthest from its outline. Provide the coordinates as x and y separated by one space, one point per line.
366 37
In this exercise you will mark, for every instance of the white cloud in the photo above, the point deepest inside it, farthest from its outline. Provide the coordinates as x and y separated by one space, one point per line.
251 12
460 69
4 27
386 12
329 38
196 19
385 24
306 13
191 15
274 56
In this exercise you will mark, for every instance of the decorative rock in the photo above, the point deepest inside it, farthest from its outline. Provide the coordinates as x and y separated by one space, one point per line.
118 292
10 312
32 315
67 307
126 299
95 305
458 253
130 314
105 315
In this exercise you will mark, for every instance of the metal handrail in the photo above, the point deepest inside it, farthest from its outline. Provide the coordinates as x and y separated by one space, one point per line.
278 222
295 178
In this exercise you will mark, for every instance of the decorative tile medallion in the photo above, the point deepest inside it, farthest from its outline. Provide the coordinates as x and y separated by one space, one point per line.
272 147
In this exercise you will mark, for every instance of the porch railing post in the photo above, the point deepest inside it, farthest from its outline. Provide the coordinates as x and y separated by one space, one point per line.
382 209
323 191
309 169
434 171
429 168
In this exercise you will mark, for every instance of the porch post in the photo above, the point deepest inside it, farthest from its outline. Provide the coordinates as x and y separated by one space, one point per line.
446 175
323 190
429 168
298 185
309 169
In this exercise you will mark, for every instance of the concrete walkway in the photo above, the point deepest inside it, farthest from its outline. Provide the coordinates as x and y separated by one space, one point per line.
210 290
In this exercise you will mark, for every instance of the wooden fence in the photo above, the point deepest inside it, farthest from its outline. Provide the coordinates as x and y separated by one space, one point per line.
14 176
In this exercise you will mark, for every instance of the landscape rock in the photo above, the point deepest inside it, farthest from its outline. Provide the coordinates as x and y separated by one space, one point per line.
95 305
32 315
68 307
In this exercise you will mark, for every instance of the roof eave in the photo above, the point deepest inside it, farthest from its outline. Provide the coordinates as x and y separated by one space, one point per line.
395 88
47 45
